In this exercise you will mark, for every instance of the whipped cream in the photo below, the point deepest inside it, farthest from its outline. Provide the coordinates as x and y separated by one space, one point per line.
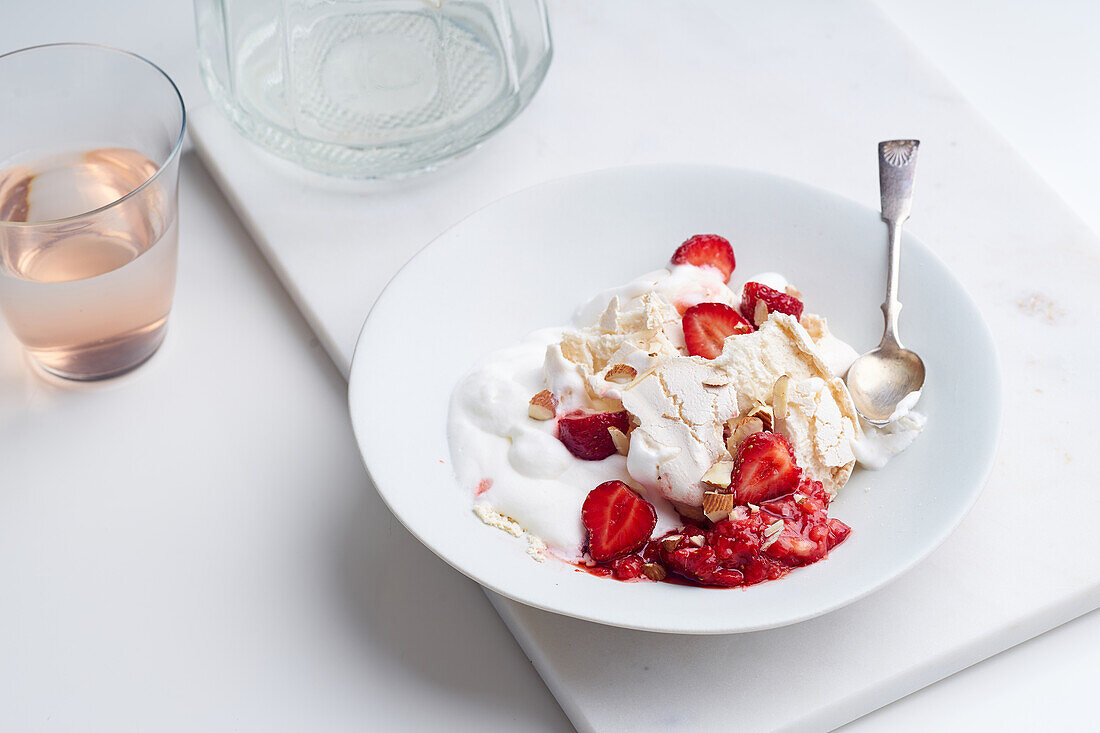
879 444
678 404
535 481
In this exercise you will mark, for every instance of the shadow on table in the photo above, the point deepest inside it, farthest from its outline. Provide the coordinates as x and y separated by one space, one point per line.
434 622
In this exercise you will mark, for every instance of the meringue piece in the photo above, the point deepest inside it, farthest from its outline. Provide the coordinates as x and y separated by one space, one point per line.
821 420
626 336
836 354
680 285
495 519
819 433
679 427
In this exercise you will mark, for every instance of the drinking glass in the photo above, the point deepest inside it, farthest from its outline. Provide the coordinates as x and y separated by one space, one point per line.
371 88
89 167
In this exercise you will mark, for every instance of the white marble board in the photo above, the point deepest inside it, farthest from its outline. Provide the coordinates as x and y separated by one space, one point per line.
801 89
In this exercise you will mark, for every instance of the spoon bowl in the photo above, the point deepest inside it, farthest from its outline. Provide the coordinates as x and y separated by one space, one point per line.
881 381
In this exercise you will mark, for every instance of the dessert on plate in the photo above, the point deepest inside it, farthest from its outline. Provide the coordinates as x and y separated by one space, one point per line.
678 430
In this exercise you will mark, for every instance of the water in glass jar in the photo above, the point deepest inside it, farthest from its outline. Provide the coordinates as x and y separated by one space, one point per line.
87 294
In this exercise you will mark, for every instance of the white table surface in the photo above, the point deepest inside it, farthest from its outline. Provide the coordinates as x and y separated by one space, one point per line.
177 544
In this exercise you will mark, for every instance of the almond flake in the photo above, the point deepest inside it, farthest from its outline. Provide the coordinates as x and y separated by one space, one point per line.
719 475
799 498
716 380
780 392
653 571
543 406
668 544
743 428
765 414
754 508
619 438
621 374
717 506
760 313
771 534
698 540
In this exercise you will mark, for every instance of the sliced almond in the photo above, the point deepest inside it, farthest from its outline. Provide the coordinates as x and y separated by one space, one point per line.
764 414
653 571
771 533
718 475
743 428
621 374
792 291
717 506
620 439
543 406
780 393
717 379
668 544
698 540
815 325
760 313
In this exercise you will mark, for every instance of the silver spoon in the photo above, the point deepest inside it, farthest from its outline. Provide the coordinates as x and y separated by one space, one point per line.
884 378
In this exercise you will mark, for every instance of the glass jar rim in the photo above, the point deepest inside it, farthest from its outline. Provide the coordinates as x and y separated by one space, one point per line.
168 160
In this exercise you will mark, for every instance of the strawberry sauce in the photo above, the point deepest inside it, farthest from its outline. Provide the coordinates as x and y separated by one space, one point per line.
752 546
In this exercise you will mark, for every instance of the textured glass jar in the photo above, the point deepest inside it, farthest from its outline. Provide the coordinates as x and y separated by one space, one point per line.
368 88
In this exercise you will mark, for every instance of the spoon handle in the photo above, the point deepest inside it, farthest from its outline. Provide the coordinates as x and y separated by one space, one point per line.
897 166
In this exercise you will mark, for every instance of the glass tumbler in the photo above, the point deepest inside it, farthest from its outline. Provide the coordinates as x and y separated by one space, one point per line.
89 166
371 88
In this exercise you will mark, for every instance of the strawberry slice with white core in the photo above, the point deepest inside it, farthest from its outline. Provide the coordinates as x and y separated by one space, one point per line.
617 519
706 250
764 469
707 325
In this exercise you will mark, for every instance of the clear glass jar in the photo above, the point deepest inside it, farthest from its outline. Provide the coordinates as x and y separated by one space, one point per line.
371 88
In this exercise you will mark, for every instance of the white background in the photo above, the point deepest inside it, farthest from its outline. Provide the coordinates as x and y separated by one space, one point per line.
244 469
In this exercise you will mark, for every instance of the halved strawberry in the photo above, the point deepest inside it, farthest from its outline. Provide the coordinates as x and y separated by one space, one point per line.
585 433
617 519
764 468
707 325
706 250
775 300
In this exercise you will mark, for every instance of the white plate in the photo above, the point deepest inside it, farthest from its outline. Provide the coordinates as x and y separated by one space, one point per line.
528 260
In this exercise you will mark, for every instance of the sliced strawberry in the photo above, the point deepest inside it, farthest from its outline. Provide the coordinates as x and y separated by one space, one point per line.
775 300
585 433
764 468
706 250
617 519
707 325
